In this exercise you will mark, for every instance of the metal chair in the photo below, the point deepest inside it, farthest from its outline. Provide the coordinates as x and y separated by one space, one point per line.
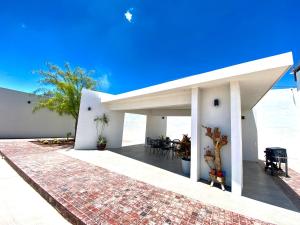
166 147
175 147
148 142
155 145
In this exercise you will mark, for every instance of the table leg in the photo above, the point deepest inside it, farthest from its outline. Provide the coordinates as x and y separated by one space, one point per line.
222 186
286 168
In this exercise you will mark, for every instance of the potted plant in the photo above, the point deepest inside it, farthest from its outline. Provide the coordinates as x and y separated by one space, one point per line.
210 160
101 143
185 154
101 122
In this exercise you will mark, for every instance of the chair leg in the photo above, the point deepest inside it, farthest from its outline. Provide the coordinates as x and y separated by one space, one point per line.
168 154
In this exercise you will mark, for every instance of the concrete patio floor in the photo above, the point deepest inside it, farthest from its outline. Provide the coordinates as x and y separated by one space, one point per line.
257 184
136 169
262 187
88 194
151 157
20 204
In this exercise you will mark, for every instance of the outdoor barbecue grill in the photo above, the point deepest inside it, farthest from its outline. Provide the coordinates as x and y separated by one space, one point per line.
274 157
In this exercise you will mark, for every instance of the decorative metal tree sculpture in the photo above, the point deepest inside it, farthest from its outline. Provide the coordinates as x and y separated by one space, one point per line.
218 141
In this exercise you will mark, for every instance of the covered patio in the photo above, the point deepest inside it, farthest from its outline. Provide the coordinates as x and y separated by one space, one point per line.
146 155
264 188
222 98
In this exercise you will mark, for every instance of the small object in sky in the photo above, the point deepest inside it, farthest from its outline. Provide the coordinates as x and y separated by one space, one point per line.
128 15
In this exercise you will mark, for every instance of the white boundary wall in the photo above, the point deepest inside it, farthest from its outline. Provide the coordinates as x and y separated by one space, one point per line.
277 118
18 121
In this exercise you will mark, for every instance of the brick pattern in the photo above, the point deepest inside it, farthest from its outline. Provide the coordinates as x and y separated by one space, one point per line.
290 186
87 194
293 181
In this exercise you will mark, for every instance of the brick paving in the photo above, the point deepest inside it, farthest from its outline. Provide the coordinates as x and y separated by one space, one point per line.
290 185
87 194
293 181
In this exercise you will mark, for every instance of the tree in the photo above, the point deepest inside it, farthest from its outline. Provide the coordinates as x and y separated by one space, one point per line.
60 89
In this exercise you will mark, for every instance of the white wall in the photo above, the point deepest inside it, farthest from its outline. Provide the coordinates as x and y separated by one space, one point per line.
18 121
134 129
298 80
219 116
86 129
177 126
249 132
278 123
156 126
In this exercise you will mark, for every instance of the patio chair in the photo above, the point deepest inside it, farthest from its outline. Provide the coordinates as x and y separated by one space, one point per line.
166 147
148 142
176 147
155 144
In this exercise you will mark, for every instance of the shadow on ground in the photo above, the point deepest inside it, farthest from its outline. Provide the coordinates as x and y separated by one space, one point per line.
258 185
261 186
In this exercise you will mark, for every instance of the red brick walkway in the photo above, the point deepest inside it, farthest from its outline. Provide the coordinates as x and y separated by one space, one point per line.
293 181
87 194
290 185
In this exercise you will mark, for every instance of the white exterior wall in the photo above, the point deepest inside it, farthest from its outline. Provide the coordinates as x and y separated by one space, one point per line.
249 134
298 80
86 137
156 126
277 118
134 130
18 121
213 116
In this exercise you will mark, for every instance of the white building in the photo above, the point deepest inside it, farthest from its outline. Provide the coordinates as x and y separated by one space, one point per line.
237 88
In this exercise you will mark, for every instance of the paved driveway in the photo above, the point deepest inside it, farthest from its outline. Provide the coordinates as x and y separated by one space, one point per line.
20 204
88 194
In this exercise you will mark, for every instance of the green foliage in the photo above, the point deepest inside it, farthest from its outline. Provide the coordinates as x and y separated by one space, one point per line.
101 140
102 120
61 88
69 134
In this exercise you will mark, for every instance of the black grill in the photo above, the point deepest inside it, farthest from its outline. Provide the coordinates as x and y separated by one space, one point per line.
274 157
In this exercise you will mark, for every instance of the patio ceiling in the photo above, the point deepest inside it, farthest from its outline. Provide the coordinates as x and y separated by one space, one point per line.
256 78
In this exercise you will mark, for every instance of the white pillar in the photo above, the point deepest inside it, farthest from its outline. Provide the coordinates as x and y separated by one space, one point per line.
236 139
195 134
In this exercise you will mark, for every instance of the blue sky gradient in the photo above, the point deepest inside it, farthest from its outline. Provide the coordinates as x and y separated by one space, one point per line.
159 41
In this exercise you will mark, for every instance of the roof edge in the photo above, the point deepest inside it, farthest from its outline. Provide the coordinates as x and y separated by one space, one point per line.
280 60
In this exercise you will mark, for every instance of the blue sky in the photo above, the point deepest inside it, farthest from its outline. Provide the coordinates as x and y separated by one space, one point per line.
134 44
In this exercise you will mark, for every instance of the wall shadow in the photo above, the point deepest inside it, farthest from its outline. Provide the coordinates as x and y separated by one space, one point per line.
260 186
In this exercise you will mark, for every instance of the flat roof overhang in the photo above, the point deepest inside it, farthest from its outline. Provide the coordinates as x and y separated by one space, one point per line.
256 78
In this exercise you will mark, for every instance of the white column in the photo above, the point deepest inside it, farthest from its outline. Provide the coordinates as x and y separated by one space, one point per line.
236 139
195 134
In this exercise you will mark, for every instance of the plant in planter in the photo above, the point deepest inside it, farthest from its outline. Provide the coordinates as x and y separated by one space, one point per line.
69 134
101 143
210 159
101 122
185 154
